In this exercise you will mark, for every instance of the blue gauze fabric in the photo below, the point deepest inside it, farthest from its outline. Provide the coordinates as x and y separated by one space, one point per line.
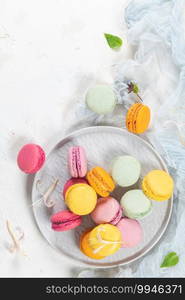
156 30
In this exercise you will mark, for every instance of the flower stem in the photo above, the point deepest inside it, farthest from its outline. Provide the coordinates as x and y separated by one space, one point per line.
141 100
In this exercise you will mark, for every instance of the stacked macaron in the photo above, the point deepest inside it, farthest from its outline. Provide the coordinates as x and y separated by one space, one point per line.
88 192
80 198
116 222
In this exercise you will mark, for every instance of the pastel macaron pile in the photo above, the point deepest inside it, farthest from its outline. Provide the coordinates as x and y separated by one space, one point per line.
89 192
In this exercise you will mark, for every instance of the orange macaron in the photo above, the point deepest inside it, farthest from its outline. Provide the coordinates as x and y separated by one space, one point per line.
100 181
85 248
138 118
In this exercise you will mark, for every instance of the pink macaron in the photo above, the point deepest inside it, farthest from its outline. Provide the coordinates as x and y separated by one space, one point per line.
72 181
107 210
77 162
131 232
65 220
31 158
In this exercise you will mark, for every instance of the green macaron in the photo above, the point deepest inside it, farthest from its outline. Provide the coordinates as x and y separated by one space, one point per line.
125 170
135 204
101 99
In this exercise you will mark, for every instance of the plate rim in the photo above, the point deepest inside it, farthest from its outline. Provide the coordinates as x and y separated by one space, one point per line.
89 265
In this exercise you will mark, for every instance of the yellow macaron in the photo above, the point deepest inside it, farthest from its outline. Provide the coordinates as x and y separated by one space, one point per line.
81 199
105 239
85 247
158 185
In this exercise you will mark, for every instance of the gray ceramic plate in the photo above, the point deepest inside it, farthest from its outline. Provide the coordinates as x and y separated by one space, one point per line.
102 144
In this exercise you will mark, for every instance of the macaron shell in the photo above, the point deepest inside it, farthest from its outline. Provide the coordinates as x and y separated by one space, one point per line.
101 99
71 182
134 117
107 210
126 170
131 232
31 158
129 116
101 181
135 204
85 247
105 239
81 199
81 162
65 220
77 162
158 185
142 119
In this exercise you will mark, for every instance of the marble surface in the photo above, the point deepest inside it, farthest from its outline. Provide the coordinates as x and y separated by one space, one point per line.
48 51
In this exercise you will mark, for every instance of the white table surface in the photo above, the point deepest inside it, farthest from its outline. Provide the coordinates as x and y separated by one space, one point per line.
47 49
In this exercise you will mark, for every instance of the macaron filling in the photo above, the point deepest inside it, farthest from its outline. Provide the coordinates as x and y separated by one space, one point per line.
75 163
117 217
100 181
56 224
78 163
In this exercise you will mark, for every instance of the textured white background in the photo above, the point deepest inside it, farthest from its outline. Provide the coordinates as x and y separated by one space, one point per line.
48 49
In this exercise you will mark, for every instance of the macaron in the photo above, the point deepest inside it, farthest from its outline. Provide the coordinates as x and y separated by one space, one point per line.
158 185
77 161
71 182
135 204
81 199
131 232
138 118
31 158
65 220
85 247
105 239
126 170
101 181
107 210
101 99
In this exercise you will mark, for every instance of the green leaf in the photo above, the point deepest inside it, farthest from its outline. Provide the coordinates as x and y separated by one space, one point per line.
135 88
170 260
114 42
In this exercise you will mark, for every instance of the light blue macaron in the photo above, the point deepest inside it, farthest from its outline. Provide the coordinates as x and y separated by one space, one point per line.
101 99
135 204
125 170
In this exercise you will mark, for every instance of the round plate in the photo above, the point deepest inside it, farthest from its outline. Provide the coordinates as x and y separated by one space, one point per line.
102 144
